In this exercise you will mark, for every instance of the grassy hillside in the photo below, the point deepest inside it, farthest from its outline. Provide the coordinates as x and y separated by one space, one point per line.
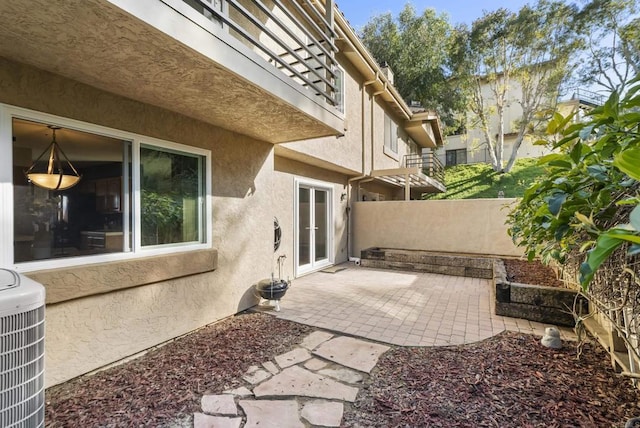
480 181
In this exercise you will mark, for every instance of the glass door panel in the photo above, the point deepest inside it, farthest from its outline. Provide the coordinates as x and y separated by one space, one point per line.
304 226
313 240
320 225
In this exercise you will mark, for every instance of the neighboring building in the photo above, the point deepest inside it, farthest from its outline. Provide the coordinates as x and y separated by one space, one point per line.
192 124
469 146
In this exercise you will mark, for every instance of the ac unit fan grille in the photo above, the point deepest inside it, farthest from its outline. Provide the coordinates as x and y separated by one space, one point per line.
21 369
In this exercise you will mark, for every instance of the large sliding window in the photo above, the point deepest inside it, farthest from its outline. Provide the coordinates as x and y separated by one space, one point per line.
171 194
135 194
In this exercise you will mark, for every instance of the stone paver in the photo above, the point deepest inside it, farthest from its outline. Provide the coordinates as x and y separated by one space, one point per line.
323 413
256 376
219 404
343 375
297 355
314 339
201 420
271 368
297 381
315 364
239 392
350 352
271 414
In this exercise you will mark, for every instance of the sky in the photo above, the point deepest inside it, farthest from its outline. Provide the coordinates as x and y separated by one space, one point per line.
358 12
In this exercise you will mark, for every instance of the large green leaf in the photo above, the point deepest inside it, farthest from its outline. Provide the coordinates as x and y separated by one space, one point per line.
555 202
605 245
634 218
628 162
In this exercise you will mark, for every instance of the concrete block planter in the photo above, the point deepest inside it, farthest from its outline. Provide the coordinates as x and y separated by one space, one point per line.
551 305
424 261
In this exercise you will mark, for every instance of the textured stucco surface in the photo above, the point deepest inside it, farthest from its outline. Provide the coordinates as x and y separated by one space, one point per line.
471 226
286 171
345 151
149 52
72 283
87 333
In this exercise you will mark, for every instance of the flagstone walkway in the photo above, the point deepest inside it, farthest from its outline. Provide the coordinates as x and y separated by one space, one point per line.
308 386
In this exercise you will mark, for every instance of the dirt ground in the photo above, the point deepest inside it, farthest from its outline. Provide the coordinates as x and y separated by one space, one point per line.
506 381
534 272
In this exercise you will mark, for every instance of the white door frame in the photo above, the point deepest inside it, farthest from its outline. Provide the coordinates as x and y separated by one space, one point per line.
313 265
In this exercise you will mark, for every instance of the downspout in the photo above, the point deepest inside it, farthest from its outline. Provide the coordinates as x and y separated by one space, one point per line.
373 102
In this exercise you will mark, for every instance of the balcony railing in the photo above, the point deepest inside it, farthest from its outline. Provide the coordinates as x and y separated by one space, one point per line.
587 97
428 163
292 35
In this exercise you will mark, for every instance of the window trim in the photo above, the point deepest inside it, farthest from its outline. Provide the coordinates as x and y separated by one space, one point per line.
388 134
9 112
342 104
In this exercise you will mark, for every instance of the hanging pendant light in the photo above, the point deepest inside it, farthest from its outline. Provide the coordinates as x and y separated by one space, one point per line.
54 178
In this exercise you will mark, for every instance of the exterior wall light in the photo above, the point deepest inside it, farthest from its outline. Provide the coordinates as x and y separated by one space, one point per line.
54 178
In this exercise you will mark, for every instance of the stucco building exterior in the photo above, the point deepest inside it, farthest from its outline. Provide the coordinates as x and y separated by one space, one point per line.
469 145
193 124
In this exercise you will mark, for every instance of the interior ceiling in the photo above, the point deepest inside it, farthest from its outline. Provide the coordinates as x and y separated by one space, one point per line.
77 145
97 43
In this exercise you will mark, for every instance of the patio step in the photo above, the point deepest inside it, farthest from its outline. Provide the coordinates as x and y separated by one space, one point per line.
425 261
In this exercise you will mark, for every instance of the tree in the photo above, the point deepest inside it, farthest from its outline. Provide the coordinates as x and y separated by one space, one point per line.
417 48
526 54
613 43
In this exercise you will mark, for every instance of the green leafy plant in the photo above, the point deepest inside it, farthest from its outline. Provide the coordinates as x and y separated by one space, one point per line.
588 201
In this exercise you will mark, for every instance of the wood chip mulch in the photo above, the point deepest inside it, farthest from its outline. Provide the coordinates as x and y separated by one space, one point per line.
506 381
534 272
167 383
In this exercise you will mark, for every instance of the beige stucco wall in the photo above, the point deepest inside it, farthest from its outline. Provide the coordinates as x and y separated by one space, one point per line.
89 332
286 172
472 226
345 152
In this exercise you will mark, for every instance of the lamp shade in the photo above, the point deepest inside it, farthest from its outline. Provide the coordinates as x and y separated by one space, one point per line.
54 178
53 181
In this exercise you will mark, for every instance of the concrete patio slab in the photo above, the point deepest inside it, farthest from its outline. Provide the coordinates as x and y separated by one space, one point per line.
351 352
297 381
271 414
401 308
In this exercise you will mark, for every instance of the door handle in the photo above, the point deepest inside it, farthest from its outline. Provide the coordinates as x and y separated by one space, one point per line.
309 228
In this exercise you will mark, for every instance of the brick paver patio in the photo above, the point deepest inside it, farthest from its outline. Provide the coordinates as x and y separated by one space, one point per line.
401 308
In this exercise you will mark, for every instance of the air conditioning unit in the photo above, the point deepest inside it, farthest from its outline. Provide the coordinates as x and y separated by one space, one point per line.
21 351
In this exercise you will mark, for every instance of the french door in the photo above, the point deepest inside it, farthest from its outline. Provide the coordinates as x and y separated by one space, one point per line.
314 218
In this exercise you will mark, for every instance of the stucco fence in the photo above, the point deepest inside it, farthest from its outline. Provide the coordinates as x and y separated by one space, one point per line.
464 226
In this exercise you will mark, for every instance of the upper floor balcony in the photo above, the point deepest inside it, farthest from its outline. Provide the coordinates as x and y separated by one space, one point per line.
263 68
420 173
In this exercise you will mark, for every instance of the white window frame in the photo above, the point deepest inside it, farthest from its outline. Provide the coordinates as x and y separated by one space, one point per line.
313 184
8 113
390 137
341 91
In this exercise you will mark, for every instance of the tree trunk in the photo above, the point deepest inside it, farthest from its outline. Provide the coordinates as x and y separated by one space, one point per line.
500 141
514 153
